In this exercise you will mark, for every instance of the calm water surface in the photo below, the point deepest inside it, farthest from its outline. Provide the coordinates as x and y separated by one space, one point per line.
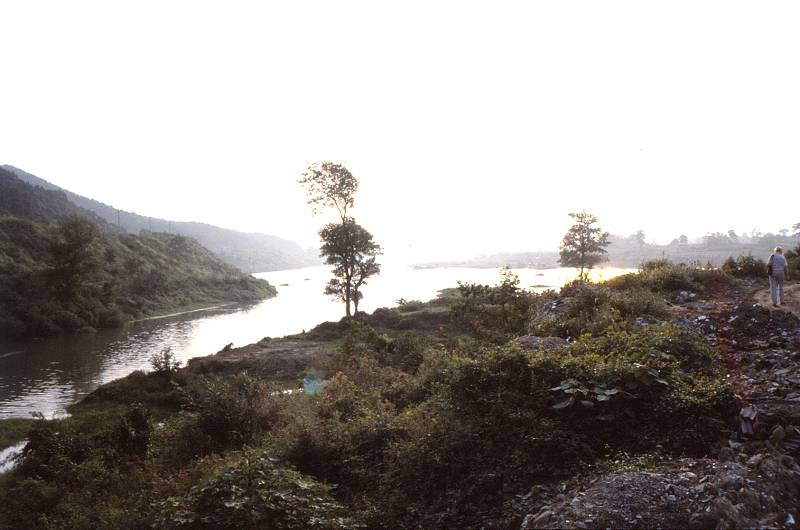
47 375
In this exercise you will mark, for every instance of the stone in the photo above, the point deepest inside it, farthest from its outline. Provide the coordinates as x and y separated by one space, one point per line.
777 436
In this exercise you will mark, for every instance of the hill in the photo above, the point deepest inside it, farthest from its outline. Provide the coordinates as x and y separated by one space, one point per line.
250 252
625 251
39 204
63 270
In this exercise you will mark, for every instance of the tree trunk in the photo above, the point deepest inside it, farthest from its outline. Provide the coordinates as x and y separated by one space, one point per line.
347 295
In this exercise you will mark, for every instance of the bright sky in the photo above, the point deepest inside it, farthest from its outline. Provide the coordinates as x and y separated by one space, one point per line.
473 127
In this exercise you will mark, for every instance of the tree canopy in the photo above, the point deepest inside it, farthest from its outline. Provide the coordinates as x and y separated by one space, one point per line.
329 185
351 251
584 244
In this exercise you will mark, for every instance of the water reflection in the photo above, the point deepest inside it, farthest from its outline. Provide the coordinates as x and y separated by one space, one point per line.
47 375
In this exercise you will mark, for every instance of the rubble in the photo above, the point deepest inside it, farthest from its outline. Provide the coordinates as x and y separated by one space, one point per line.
750 492
754 481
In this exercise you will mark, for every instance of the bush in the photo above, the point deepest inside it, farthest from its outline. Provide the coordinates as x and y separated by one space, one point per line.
745 267
589 308
665 277
164 362
233 411
494 313
247 489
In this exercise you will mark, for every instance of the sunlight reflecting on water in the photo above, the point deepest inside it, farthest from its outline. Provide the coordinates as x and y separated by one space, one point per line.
47 375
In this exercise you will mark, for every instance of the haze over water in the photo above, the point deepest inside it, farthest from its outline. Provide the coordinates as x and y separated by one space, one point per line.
47 375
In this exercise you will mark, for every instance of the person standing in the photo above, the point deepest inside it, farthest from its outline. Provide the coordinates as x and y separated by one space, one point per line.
778 270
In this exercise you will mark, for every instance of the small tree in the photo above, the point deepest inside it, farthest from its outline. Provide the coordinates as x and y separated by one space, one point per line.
683 240
352 253
584 244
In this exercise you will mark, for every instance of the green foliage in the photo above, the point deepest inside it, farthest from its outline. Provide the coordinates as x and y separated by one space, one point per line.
248 489
76 476
346 245
793 257
352 253
584 244
65 278
416 429
165 362
74 256
589 308
219 414
745 267
329 185
494 313
13 430
666 277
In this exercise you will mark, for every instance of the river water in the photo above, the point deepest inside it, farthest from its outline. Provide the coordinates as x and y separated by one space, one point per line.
47 375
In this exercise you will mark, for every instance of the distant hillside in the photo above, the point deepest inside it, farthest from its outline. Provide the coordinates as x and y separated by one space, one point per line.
61 271
250 252
38 204
514 260
625 251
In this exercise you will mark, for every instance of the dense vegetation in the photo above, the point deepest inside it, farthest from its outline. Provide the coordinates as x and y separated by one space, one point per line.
432 415
62 271
250 252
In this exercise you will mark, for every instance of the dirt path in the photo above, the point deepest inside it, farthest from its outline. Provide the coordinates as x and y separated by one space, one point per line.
791 293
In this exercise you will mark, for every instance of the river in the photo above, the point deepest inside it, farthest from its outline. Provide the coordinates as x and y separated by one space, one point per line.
46 375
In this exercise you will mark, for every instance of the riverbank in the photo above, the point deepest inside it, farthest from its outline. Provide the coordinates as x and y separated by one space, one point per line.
47 375
184 310
471 411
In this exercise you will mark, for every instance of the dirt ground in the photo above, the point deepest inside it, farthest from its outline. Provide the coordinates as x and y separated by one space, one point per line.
752 480
791 293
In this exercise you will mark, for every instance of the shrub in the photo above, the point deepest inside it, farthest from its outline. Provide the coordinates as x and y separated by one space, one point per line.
745 267
233 411
248 489
494 313
164 362
665 277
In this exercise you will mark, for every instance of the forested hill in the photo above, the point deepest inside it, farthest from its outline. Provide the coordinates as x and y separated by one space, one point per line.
62 271
250 252
39 204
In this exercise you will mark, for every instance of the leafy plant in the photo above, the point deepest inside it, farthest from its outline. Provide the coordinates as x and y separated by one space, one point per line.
249 489
165 362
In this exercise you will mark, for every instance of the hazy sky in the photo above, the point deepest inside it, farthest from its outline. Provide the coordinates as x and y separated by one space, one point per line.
473 127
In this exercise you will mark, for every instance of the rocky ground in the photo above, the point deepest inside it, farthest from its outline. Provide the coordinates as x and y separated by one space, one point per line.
280 359
753 479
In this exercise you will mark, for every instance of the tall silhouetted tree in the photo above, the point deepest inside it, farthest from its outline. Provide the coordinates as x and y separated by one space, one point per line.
584 244
346 246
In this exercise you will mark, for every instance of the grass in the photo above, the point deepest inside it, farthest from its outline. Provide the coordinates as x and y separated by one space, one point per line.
13 430
183 309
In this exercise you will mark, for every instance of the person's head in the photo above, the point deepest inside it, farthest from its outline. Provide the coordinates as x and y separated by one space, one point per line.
778 250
